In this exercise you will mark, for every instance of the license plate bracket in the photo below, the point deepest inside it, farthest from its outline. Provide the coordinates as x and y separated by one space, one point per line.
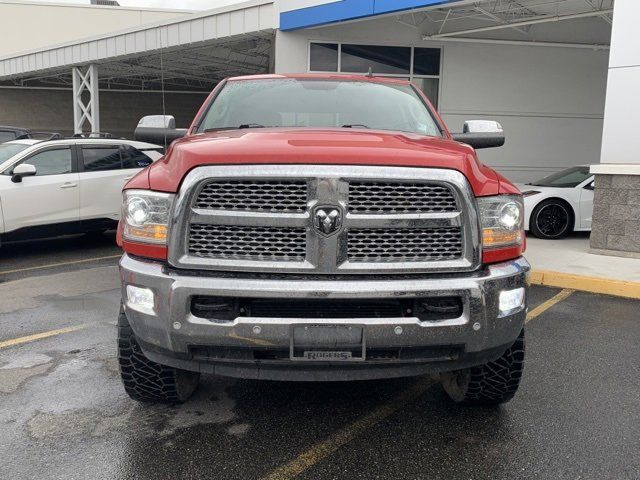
327 343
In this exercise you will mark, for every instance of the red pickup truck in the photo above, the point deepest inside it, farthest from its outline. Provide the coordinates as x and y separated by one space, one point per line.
321 228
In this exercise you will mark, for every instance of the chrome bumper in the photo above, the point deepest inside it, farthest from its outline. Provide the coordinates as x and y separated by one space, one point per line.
167 335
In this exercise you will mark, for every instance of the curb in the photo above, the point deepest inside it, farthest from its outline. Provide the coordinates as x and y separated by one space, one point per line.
605 286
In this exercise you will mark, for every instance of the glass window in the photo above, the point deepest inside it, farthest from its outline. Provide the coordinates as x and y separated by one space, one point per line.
426 61
101 159
51 162
7 136
323 57
9 150
569 178
291 102
389 60
430 88
134 158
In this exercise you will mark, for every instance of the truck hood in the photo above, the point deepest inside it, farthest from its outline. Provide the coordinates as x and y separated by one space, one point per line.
319 146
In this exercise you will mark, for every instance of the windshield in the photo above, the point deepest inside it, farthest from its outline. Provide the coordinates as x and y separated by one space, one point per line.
570 178
316 103
9 150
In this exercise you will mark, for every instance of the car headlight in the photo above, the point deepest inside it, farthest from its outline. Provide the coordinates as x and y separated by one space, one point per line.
145 216
502 219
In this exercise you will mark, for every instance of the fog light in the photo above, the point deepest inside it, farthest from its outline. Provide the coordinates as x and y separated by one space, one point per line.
511 301
141 299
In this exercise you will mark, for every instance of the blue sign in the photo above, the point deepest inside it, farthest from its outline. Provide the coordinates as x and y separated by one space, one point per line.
342 10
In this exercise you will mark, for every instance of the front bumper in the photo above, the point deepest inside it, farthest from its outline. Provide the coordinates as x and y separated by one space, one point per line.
170 335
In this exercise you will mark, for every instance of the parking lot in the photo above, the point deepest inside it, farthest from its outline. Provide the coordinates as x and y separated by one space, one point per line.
63 413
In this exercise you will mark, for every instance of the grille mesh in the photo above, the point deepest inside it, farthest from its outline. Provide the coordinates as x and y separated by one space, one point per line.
399 198
254 195
247 243
398 245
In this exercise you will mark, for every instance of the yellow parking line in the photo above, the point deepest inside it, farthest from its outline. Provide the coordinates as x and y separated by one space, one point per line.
540 309
604 286
61 264
321 450
39 336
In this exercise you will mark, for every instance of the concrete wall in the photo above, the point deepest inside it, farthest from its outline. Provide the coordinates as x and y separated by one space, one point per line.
623 93
616 213
549 100
52 110
26 26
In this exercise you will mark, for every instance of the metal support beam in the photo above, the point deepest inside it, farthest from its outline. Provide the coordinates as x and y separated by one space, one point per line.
86 104
604 17
531 21
498 19
525 43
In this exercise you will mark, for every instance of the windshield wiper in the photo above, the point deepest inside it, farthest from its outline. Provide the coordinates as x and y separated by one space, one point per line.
239 127
354 125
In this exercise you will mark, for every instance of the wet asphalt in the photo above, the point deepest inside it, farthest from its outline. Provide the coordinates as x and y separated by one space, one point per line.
64 415
55 255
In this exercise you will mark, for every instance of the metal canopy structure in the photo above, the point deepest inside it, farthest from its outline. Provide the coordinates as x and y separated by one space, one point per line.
86 108
190 53
190 68
508 21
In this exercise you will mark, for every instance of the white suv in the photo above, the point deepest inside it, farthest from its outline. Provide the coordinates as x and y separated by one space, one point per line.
66 186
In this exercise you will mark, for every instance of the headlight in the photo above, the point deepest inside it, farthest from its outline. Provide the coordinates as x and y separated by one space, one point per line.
509 215
145 216
502 220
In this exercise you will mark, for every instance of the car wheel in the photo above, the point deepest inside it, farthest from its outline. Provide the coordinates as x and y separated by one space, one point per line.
148 381
551 219
492 383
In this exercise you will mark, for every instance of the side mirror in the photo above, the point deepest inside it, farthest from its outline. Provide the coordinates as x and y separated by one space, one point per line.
23 170
591 185
481 134
158 129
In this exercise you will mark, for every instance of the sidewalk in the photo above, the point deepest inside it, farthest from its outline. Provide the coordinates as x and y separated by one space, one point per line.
567 263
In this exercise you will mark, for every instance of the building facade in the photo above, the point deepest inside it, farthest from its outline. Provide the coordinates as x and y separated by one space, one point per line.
616 216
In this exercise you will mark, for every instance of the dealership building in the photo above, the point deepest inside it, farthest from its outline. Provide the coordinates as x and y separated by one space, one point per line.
561 76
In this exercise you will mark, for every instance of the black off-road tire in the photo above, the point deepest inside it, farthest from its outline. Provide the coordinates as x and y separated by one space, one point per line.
148 381
561 223
493 383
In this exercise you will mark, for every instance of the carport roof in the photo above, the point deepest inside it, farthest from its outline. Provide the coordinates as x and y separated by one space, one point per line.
194 51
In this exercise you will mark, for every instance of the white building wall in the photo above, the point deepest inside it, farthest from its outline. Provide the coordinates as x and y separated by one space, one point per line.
550 100
623 92
27 26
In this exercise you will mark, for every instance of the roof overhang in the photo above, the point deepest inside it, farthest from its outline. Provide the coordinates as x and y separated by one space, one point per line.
548 23
191 52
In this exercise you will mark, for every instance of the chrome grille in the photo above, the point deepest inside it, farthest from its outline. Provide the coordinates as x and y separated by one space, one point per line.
253 243
393 198
400 245
254 196
266 218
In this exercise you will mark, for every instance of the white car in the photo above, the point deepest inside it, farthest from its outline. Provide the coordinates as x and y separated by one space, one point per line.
66 186
560 203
